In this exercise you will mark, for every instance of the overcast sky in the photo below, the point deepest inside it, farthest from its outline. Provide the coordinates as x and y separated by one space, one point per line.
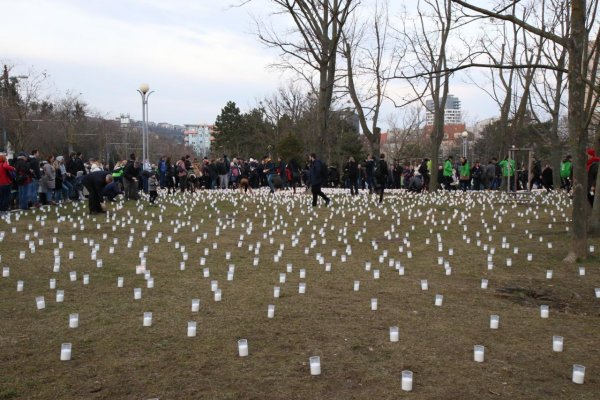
196 55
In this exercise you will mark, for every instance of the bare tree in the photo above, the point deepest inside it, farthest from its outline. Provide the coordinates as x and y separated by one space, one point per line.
583 18
368 53
311 48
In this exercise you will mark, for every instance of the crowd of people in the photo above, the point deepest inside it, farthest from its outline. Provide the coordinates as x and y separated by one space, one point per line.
28 181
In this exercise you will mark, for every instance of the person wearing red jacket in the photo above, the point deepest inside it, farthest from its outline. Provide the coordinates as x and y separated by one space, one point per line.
5 183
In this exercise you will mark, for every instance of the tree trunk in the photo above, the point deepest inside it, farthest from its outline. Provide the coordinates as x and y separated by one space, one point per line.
577 131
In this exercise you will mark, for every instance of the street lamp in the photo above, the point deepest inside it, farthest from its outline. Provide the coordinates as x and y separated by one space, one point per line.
465 143
145 92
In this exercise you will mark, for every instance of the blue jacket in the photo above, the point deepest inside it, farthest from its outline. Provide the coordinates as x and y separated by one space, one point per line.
316 173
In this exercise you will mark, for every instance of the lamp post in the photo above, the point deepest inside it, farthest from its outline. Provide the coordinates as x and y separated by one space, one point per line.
465 143
145 92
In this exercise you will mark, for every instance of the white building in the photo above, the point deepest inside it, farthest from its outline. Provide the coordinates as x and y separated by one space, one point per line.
452 111
198 138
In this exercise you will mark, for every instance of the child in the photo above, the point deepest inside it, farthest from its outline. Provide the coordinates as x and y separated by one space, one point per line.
153 187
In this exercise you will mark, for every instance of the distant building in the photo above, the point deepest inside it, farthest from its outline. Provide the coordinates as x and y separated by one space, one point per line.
452 136
452 111
198 137
165 125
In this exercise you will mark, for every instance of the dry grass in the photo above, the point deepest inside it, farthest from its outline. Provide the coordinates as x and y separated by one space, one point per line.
115 357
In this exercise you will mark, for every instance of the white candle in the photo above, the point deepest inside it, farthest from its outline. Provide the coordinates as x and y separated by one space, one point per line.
65 352
578 374
394 334
5 272
367 266
150 283
401 270
315 365
478 353
218 295
214 285
60 296
86 279
376 274
40 302
120 281
407 381
494 321
243 347
581 271
357 286
289 268
276 291
597 290
271 311
137 293
484 283
147 319
302 288
373 304
302 275
73 320
191 331
549 274
529 257
544 311
195 305
328 267
424 285
20 286
439 299
508 262
557 343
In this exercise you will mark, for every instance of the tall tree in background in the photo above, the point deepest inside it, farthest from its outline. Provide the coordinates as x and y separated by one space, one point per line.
229 129
368 53
583 21
311 48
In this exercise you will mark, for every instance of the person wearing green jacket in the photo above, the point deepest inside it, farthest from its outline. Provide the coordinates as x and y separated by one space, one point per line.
448 171
566 173
508 172
465 174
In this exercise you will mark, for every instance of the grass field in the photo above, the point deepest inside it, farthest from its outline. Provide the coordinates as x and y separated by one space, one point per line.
115 357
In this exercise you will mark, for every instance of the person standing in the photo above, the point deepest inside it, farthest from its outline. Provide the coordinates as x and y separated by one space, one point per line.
369 170
536 174
477 173
50 174
508 172
591 167
381 175
465 174
447 173
566 173
351 170
5 183
317 176
36 175
130 176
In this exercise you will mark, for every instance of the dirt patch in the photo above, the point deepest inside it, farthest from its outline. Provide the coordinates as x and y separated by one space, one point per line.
531 297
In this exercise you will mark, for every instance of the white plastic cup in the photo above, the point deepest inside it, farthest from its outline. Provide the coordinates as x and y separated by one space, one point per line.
5 272
276 291
40 302
218 295
302 288
214 285
424 284
578 374
65 352
509 262
20 285
282 277
597 290
60 296
373 304
120 281
484 283
367 266
581 271
206 272
394 334
271 311
52 283
137 293
147 319
529 257
315 365
478 353
243 347
494 321
86 279
357 286
150 283
439 299
549 274
557 343
195 305
544 311
191 330
407 381
73 320
376 274
302 275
